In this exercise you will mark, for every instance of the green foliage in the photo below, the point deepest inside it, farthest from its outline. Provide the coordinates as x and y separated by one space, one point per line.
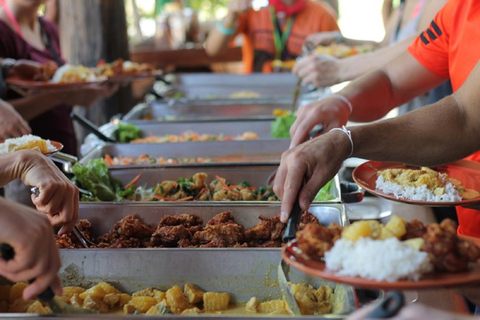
324 193
281 126
127 132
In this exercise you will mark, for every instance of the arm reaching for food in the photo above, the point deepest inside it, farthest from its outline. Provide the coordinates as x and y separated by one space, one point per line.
422 137
36 255
58 197
11 123
372 96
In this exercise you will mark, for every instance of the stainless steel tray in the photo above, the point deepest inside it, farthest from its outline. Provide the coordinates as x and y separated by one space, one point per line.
221 86
103 216
265 151
255 175
213 110
244 273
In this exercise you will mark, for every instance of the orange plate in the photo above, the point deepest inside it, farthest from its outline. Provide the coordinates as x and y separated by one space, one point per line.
58 146
293 256
50 86
467 172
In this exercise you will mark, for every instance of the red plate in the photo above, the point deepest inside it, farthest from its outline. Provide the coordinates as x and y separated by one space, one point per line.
293 256
27 85
58 147
467 172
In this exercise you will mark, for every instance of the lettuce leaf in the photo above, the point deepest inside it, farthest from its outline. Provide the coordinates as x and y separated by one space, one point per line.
127 132
280 128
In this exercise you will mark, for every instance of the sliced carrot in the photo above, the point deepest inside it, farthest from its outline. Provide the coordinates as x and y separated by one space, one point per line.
198 194
135 180
223 183
143 156
108 160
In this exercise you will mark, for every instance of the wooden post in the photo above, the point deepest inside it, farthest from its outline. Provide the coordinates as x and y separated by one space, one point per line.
92 30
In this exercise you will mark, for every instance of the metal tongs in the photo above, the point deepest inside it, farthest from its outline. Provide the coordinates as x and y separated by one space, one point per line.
306 49
76 231
87 124
389 306
56 303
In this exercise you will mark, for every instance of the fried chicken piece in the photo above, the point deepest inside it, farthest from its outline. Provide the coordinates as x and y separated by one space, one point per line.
215 243
133 227
231 233
306 218
185 219
64 241
86 228
442 246
265 244
169 236
123 242
315 239
415 229
45 72
266 229
222 217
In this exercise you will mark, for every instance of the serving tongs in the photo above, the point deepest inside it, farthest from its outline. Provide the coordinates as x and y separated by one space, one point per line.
87 124
76 231
306 49
55 303
388 306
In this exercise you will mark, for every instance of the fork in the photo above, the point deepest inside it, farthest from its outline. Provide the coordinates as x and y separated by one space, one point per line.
76 231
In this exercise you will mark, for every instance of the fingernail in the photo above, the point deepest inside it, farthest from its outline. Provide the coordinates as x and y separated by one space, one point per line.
283 216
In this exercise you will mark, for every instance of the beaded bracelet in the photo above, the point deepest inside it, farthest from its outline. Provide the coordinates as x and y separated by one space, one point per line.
349 135
224 30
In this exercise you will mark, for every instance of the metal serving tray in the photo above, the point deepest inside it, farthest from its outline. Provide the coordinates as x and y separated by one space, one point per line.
264 151
213 110
255 175
104 216
221 86
243 272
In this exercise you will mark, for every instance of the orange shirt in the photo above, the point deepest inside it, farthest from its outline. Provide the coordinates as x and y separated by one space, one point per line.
257 28
450 47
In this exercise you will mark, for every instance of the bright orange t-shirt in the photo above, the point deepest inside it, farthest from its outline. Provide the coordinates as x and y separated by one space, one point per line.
257 28
450 47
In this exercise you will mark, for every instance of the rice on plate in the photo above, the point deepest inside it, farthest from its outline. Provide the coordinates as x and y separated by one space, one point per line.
424 184
28 141
380 260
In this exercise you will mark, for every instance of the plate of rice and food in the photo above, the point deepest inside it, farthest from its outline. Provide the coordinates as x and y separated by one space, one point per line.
456 183
126 71
67 77
32 142
399 255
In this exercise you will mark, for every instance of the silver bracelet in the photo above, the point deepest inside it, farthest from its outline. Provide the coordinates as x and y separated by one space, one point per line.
338 96
349 135
5 65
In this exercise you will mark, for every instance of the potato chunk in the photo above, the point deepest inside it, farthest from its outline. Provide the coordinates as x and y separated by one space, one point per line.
176 300
214 301
193 293
397 226
362 229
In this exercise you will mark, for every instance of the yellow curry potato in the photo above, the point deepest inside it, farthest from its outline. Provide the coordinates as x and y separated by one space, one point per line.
215 301
68 292
193 293
96 292
273 307
38 308
397 226
176 300
386 233
16 291
362 229
415 243
252 305
108 288
142 304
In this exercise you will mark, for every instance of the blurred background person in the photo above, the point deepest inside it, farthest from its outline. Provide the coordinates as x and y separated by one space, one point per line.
272 35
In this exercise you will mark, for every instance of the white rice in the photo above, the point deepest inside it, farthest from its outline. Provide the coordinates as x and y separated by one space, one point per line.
10 145
381 260
88 75
421 193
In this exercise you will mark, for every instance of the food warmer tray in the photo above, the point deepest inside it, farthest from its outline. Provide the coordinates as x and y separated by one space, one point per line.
255 175
214 110
242 272
228 128
208 85
104 216
264 151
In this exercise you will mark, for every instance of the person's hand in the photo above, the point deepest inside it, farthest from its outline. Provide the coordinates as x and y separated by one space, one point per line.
306 168
36 254
413 311
11 122
239 6
318 69
324 38
329 112
58 197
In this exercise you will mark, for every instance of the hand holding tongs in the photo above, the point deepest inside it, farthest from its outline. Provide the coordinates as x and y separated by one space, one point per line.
306 49
76 231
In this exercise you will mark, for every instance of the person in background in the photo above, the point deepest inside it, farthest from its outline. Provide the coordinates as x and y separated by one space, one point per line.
25 35
36 255
320 70
273 35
